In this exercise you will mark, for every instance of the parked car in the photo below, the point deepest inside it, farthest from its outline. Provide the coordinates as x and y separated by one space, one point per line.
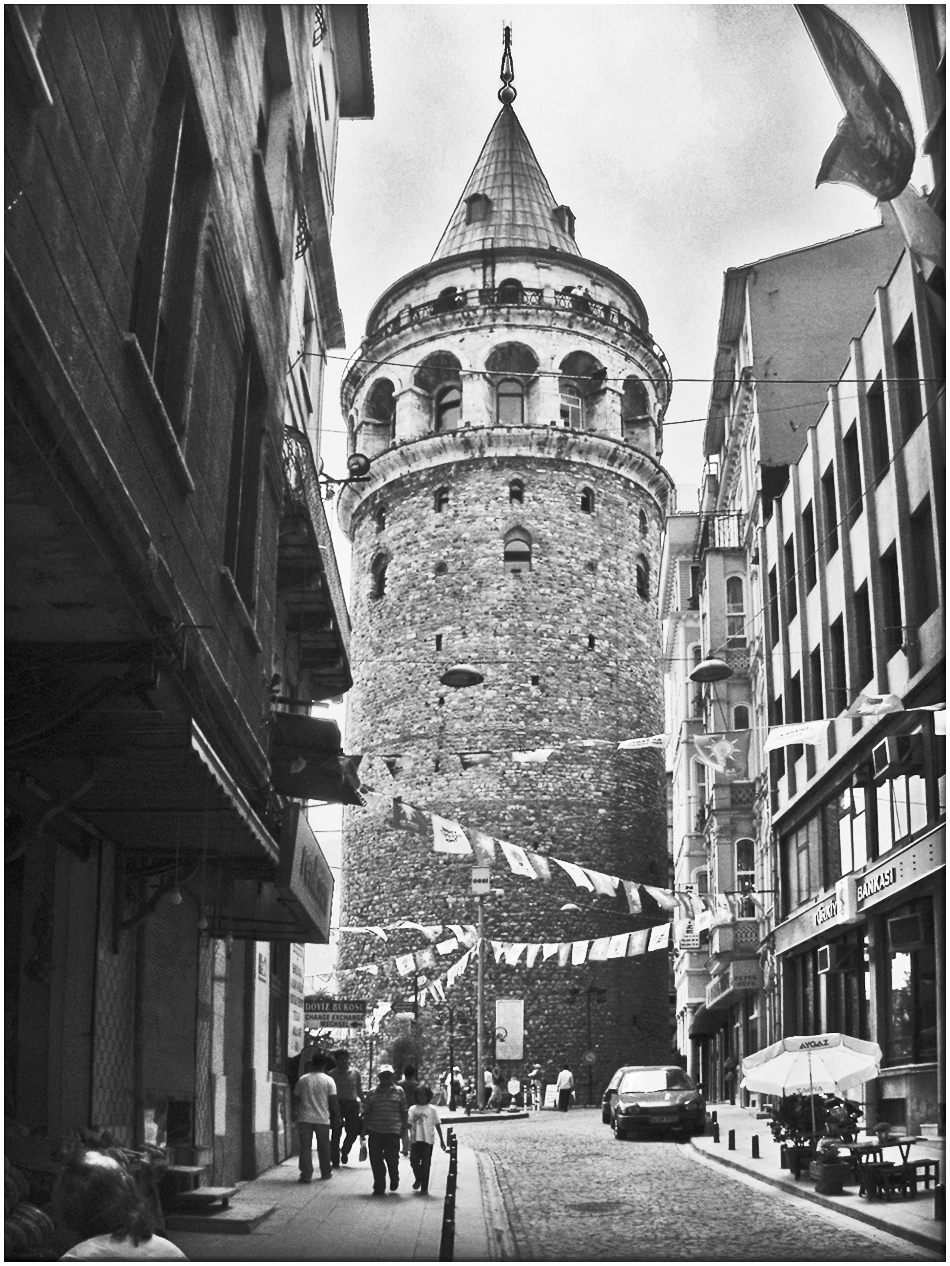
641 1098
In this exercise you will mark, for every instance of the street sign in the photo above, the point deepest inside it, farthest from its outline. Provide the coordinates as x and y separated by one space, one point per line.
333 1013
590 1057
481 880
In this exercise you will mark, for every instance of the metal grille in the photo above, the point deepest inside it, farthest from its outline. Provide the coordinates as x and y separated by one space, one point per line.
204 1114
111 1101
742 795
319 24
304 236
746 933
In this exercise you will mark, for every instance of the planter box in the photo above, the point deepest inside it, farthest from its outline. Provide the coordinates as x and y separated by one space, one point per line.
796 1157
830 1176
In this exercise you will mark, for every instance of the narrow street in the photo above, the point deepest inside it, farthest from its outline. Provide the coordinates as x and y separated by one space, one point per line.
574 1193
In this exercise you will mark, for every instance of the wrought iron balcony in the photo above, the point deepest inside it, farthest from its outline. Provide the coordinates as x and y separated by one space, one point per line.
720 531
736 981
308 580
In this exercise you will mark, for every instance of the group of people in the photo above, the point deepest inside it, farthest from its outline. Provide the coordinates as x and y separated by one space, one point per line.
393 1119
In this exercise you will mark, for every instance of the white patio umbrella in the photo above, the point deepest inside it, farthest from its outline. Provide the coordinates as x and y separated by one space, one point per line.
824 1063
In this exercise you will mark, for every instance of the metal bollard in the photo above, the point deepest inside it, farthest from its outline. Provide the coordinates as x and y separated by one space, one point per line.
731 1145
755 1147
940 1203
447 1242
715 1117
715 1131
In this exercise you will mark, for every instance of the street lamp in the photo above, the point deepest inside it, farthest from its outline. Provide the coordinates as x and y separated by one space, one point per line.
592 991
356 464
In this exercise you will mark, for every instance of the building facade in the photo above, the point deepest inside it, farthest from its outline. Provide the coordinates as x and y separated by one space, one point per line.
510 397
173 604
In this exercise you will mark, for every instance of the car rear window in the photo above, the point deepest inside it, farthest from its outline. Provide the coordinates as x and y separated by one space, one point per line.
645 1080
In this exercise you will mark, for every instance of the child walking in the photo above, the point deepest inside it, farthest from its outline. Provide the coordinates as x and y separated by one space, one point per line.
424 1125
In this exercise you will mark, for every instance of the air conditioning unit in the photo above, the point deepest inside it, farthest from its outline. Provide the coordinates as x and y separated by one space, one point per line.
898 754
839 958
905 932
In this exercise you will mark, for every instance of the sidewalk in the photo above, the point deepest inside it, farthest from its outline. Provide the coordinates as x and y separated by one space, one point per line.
912 1219
342 1221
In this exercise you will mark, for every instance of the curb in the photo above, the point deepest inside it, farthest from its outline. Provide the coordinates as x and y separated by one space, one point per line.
502 1244
860 1215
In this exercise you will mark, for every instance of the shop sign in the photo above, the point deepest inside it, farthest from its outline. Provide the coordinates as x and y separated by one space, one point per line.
334 1013
877 883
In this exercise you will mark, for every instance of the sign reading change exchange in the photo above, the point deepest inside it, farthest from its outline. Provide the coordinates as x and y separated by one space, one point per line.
333 1013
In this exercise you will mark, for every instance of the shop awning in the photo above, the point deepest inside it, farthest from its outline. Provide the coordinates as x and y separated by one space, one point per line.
705 1022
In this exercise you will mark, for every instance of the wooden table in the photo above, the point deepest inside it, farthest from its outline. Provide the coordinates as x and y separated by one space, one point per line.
867 1156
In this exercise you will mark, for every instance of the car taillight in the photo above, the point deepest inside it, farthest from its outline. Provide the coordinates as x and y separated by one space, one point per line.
694 1105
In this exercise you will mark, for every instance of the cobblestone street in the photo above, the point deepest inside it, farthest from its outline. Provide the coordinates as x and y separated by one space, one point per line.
574 1193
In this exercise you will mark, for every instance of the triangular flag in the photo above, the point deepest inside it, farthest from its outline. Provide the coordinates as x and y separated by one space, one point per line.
598 950
922 228
537 757
484 848
407 817
653 740
550 948
514 952
425 958
632 891
866 705
531 957
812 732
517 859
563 953
470 759
447 947
659 937
605 884
722 907
498 949
638 943
396 764
449 837
577 873
405 963
469 935
579 952
662 896
540 864
374 799
618 945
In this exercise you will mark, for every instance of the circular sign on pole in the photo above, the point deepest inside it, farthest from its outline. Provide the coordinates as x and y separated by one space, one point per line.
501 1034
590 1057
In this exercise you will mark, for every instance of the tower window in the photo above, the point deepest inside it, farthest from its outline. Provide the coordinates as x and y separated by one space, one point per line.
587 500
448 409
438 641
440 500
516 492
735 611
379 518
591 642
510 291
643 523
378 576
477 208
564 217
517 556
441 568
510 397
740 717
643 578
447 300
535 679
572 406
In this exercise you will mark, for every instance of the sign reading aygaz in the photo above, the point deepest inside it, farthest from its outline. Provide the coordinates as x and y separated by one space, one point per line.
333 1013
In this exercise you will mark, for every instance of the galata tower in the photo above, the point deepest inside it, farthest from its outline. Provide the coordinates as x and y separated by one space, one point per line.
510 397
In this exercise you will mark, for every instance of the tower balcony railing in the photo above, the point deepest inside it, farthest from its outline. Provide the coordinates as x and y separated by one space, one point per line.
463 302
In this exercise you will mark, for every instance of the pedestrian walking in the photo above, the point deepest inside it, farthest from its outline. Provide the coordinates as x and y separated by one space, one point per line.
349 1093
98 1208
536 1078
409 1085
453 1088
496 1100
317 1112
565 1088
424 1125
386 1122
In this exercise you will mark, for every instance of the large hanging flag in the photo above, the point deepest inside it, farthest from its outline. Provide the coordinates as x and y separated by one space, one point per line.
449 837
811 732
407 817
874 145
727 753
866 705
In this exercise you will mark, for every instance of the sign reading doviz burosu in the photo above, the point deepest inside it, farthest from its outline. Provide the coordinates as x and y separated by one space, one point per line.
509 1028
333 1013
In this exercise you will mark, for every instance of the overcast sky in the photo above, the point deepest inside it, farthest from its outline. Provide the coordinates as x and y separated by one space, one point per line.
685 138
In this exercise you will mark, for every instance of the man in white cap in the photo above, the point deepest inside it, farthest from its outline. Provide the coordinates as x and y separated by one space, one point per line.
386 1121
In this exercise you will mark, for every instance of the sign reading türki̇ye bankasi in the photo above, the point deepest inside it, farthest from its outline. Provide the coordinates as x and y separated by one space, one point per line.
333 1013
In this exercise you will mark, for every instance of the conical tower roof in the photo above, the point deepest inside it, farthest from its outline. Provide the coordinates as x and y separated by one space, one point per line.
521 207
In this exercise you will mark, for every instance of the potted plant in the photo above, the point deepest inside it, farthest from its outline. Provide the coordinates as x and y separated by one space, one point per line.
829 1169
796 1122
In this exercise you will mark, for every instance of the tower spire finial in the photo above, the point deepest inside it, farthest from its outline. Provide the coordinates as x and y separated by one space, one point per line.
507 93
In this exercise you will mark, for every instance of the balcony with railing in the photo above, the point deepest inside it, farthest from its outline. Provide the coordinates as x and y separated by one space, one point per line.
477 303
737 980
308 580
720 531
738 940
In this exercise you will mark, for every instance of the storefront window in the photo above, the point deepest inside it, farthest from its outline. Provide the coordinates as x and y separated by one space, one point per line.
852 830
911 984
847 986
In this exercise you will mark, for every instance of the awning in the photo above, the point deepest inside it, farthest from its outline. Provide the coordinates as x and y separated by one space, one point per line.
307 761
294 903
705 1022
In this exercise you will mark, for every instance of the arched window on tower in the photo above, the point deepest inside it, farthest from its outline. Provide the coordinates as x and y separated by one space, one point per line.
643 523
477 208
380 407
379 517
516 492
510 397
378 576
447 299
636 420
510 291
440 500
572 406
740 717
643 577
448 409
587 500
517 556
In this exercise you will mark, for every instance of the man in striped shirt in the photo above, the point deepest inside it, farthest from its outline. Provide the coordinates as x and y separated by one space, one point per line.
386 1121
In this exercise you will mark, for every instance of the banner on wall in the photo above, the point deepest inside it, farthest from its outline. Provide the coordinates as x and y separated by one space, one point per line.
509 1028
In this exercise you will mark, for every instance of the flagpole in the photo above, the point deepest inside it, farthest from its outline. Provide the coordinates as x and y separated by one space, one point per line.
480 1002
